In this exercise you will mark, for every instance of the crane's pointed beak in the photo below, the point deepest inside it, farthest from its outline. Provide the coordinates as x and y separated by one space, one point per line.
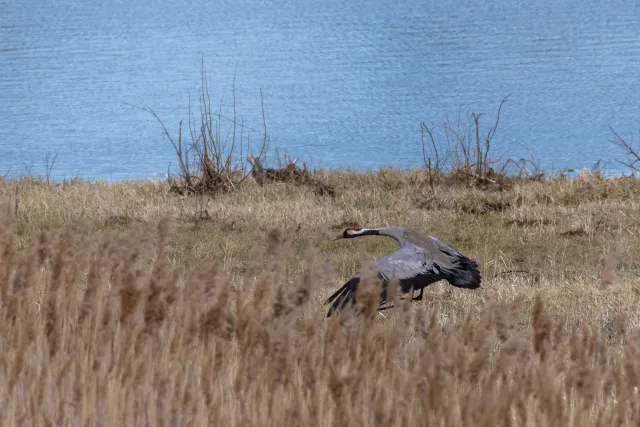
338 237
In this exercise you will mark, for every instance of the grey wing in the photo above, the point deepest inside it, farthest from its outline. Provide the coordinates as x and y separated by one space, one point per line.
411 266
460 271
444 248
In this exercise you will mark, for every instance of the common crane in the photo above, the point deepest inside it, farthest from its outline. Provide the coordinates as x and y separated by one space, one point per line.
420 261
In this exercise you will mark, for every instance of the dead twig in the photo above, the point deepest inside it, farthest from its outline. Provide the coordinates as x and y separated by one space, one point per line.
17 202
632 152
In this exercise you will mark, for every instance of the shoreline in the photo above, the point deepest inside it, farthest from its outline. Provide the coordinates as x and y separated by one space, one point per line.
559 174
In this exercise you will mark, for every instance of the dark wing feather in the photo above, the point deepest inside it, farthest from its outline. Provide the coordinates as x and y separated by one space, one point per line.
411 267
344 296
459 270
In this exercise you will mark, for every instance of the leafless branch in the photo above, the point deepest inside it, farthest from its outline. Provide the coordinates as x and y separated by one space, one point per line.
633 153
435 169
479 166
49 166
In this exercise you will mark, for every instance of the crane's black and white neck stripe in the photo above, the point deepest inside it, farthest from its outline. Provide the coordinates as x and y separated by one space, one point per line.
396 233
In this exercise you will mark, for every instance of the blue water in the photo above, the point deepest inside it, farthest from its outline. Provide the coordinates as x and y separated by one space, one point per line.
345 84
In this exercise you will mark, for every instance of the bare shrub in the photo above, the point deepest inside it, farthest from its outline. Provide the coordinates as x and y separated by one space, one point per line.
212 160
466 156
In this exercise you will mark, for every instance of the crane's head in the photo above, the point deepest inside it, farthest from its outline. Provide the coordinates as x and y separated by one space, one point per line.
350 233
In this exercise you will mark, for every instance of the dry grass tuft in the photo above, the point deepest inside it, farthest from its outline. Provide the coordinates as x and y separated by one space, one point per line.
611 262
290 173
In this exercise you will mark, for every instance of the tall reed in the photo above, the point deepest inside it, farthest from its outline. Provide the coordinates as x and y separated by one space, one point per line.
109 331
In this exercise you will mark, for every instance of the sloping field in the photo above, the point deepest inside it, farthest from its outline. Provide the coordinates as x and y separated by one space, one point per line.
127 304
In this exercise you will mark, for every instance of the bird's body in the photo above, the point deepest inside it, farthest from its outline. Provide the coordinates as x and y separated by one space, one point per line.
420 261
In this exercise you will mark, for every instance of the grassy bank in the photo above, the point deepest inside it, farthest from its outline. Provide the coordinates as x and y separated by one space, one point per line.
128 304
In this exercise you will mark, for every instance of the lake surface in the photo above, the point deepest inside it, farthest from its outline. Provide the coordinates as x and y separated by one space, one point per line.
345 84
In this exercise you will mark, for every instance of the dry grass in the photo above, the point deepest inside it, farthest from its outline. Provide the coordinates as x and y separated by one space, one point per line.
118 308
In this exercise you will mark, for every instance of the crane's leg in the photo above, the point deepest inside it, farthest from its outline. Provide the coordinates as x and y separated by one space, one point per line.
418 298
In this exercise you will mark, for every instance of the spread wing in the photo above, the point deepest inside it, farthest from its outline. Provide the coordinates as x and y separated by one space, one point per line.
414 268
411 266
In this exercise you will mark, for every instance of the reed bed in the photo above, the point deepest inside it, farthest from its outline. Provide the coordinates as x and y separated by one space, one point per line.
121 306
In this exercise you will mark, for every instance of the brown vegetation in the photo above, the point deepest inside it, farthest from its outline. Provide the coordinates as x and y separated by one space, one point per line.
291 174
468 158
212 161
118 308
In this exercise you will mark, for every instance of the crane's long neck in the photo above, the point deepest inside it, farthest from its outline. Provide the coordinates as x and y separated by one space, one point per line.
393 232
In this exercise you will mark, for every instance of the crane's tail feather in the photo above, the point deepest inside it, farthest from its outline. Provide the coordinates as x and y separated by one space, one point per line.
344 296
465 273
